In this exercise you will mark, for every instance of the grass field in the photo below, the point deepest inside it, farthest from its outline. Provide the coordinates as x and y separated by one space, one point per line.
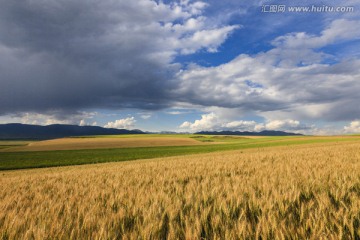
18 158
300 191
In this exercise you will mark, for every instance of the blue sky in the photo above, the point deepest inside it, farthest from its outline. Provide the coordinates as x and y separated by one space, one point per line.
182 66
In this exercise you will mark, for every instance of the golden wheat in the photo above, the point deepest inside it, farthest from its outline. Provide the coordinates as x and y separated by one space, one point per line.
303 192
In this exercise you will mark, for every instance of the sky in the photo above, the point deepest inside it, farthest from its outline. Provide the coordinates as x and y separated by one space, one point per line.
183 66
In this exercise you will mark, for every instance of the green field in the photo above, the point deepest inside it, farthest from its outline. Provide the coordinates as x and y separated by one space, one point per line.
40 159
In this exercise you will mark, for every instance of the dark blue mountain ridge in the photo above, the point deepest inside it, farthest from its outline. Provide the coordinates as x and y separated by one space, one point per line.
25 131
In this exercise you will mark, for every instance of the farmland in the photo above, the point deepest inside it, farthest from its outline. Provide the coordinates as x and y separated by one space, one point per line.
12 144
107 143
103 149
270 190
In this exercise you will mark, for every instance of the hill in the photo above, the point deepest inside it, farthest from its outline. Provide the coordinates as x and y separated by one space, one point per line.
25 131
246 133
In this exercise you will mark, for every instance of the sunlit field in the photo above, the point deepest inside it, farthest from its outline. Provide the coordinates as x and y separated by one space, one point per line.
100 149
6 144
102 142
308 191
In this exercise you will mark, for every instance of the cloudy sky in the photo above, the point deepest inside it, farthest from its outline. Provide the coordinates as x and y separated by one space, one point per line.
182 65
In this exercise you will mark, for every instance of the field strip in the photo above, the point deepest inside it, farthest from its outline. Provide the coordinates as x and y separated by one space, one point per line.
103 143
216 154
22 160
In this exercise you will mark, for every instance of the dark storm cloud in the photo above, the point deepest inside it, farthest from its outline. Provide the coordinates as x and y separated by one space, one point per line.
60 54
75 54
69 55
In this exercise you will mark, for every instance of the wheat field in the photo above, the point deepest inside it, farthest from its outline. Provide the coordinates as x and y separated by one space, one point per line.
296 192
98 143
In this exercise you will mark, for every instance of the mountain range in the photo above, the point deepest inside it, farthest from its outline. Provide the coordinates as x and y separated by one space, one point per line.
25 131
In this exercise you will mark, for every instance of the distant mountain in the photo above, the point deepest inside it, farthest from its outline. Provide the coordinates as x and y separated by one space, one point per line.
246 133
25 131
167 132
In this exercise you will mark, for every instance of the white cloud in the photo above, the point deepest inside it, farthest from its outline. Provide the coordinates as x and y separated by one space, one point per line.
125 123
259 127
282 124
145 116
292 79
213 122
186 125
51 118
177 112
174 112
353 127
206 39
207 122
338 30
240 125
82 123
